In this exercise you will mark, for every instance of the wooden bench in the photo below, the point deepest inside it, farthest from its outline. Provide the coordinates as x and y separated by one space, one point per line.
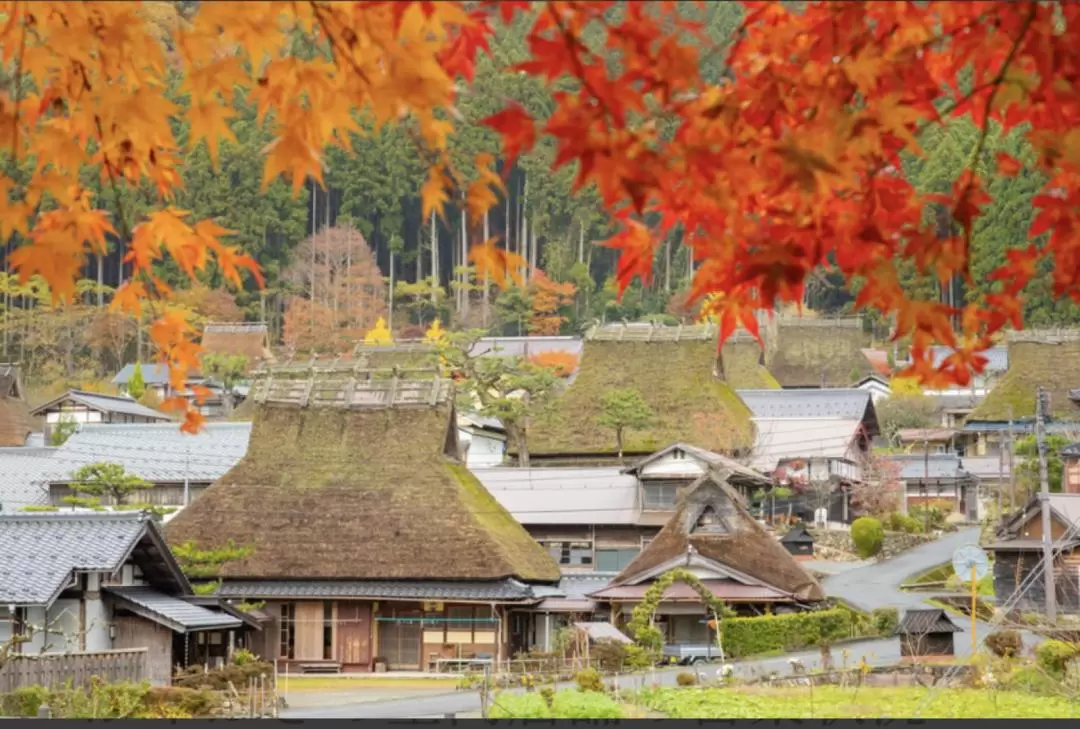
320 668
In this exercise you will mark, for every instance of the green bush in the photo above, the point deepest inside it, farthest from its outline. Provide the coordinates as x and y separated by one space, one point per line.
591 705
589 680
24 701
1032 680
1005 643
519 706
928 517
686 679
897 522
1052 655
609 655
885 620
751 636
219 679
868 536
196 702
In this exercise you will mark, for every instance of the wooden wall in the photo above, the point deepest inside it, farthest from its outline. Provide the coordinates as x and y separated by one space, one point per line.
135 632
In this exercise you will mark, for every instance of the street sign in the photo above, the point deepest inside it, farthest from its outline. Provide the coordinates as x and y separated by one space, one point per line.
968 558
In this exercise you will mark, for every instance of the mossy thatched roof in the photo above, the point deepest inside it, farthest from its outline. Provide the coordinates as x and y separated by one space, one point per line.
239 339
359 494
743 364
741 544
817 354
677 380
15 421
1051 364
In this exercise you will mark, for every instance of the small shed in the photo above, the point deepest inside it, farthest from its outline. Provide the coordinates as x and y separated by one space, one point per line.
927 634
799 542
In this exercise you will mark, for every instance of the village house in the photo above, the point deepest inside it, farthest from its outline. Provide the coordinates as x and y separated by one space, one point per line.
1070 478
373 546
250 340
78 406
807 353
877 385
179 466
939 480
713 536
1018 555
483 440
106 581
15 423
156 379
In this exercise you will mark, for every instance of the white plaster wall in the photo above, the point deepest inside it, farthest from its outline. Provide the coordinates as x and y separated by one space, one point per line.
97 617
63 626
483 452
671 467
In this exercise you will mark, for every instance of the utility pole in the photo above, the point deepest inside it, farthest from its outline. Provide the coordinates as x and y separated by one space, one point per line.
926 484
1012 464
1044 498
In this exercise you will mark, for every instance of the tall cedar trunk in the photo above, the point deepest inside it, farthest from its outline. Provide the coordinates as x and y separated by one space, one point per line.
314 224
534 248
508 226
434 257
419 253
523 241
667 265
487 278
390 296
100 280
464 266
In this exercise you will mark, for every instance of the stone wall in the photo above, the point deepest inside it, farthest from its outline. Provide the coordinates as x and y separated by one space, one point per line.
836 546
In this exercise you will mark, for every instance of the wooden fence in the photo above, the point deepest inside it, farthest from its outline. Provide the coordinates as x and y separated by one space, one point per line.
56 669
352 390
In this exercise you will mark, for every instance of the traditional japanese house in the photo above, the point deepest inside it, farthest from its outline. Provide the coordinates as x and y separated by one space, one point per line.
677 373
250 340
78 406
98 582
1017 552
799 542
15 425
926 635
817 353
712 535
371 543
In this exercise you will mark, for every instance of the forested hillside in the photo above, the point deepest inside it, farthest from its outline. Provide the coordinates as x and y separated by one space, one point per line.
324 289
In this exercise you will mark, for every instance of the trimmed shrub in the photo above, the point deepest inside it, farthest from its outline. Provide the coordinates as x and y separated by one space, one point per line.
686 679
519 706
868 536
609 655
1005 643
885 620
897 522
589 680
750 636
1052 655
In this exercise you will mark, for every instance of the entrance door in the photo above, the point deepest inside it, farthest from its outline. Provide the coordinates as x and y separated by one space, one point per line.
400 638
354 633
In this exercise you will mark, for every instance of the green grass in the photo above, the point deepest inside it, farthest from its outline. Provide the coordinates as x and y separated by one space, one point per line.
834 702
324 683
944 573
566 704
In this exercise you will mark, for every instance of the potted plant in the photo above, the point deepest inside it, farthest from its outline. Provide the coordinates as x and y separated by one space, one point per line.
381 664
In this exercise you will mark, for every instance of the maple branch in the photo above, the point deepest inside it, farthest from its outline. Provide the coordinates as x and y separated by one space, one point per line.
17 81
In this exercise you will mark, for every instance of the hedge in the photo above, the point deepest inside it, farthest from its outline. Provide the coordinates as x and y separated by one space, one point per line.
751 636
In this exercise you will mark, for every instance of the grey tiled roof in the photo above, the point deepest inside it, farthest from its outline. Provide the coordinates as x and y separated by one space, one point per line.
541 495
160 453
923 622
847 403
509 590
525 346
104 403
997 358
154 373
39 552
936 466
172 612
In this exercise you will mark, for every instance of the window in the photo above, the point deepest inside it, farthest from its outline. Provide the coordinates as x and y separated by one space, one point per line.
660 495
328 631
570 554
288 630
614 560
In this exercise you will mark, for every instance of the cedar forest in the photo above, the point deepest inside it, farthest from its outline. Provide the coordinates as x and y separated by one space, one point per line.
531 167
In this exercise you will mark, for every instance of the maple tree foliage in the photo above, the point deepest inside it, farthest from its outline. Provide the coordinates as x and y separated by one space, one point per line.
561 362
790 163
547 297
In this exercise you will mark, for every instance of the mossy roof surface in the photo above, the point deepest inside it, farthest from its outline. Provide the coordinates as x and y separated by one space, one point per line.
819 356
689 404
361 494
743 367
1031 364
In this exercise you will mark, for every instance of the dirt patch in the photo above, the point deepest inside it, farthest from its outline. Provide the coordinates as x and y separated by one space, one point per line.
340 692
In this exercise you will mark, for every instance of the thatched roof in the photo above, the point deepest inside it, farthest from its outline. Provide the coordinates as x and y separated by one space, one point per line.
819 353
740 545
743 366
239 339
359 489
1035 358
676 376
15 424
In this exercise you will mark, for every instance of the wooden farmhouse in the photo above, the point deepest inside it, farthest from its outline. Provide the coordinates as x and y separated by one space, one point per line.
926 635
712 535
373 547
106 581
1018 554
78 406
250 340
15 425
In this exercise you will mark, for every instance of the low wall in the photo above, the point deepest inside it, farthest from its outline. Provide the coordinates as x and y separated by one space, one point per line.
54 670
837 543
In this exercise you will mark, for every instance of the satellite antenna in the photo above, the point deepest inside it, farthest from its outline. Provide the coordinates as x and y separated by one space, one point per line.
970 561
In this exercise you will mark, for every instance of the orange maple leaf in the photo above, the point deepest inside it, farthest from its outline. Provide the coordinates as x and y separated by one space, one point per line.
497 264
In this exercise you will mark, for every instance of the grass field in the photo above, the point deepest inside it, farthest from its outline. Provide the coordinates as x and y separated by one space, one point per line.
833 702
324 683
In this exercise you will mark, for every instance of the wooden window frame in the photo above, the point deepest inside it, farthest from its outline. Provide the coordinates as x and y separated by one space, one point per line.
287 631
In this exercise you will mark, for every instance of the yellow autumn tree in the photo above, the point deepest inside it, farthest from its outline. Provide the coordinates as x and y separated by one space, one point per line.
435 332
379 334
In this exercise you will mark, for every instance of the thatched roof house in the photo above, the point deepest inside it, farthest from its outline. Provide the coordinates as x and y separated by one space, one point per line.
676 372
237 339
368 492
15 424
713 534
1036 358
742 364
819 353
